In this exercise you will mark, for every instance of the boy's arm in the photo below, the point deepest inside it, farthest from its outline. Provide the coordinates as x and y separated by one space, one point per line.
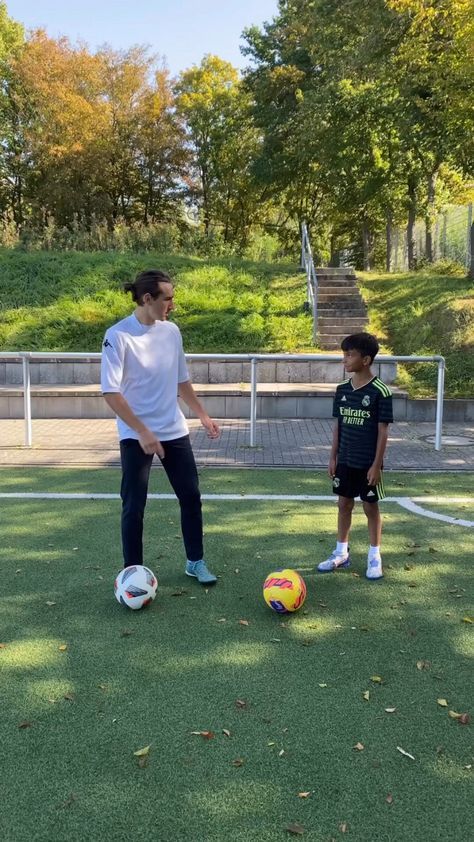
334 449
375 470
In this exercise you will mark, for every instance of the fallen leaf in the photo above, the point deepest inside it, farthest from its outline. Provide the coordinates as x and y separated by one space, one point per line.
343 827
442 703
402 751
142 752
226 732
102 686
270 744
358 747
432 550
208 735
295 828
244 623
222 620
376 679
25 724
389 798
468 767
143 761
126 633
275 640
323 685
241 703
69 697
423 665
48 602
304 794
63 647
408 566
390 710
238 762
366 695
453 715
412 584
464 719
281 753
181 592
467 620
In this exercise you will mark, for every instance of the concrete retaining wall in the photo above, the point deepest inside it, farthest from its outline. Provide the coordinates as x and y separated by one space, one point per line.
88 372
224 402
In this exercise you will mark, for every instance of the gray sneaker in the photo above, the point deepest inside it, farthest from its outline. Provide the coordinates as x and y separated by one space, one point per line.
334 562
199 571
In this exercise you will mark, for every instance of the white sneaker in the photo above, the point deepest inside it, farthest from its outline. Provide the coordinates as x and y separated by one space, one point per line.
374 568
334 562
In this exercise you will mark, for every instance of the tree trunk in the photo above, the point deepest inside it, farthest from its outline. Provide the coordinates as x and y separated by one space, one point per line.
388 257
411 223
367 241
430 212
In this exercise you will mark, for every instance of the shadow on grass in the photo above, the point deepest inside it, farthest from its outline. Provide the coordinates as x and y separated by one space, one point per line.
157 675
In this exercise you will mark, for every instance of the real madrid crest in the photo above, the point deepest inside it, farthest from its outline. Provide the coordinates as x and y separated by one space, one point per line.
366 400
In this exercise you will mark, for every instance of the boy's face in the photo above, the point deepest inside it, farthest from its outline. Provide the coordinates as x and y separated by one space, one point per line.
355 360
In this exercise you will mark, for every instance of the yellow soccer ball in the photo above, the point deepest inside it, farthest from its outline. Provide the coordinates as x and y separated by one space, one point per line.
284 591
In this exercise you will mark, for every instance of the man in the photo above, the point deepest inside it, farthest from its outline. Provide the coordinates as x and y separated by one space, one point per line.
143 370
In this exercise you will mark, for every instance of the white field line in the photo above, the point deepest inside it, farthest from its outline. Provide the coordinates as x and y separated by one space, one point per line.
408 503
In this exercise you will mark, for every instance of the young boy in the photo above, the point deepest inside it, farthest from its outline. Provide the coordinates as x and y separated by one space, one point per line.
363 409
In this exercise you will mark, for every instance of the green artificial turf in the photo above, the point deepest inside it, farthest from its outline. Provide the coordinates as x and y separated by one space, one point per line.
130 679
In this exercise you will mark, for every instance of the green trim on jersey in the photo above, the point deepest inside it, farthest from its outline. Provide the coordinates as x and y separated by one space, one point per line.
382 387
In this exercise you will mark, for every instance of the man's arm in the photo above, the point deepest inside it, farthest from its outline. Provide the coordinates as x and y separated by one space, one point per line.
187 393
148 441
374 472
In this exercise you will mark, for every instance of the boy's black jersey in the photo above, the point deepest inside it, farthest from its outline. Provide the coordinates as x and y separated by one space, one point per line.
359 412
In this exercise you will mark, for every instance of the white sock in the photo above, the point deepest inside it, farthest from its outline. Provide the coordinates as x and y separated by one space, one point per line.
374 552
341 547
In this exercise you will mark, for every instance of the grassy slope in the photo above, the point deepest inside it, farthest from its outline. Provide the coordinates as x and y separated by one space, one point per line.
72 775
426 313
65 301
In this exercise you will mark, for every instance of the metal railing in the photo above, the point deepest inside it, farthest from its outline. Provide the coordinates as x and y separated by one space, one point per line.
307 263
28 356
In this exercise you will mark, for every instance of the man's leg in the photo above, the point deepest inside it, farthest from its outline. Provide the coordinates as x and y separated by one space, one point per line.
135 474
182 473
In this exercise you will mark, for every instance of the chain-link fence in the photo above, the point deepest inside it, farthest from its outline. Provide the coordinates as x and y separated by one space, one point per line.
451 235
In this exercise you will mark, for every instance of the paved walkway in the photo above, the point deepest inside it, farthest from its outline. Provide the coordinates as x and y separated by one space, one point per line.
300 443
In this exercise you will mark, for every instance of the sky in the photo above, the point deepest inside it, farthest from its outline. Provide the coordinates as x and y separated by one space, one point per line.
182 31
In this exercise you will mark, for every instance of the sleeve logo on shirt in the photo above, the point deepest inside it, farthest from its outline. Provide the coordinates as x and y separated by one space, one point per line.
107 344
366 400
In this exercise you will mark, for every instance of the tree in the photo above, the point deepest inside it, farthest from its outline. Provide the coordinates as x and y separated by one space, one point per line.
224 142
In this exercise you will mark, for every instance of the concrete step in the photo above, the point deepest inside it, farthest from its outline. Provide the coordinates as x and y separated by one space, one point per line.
337 291
334 271
222 400
347 311
331 341
340 327
340 300
327 280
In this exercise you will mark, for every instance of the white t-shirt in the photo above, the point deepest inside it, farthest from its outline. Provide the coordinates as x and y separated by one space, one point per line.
145 363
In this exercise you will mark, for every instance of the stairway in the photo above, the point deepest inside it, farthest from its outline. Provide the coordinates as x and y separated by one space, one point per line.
341 309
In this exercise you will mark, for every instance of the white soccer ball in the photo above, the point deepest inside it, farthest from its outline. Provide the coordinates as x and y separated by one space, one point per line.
135 586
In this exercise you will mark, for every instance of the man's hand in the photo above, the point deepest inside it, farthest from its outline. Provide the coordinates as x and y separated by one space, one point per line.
149 443
212 428
332 467
373 475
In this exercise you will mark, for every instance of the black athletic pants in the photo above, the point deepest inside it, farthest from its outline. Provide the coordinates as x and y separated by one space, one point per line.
181 470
